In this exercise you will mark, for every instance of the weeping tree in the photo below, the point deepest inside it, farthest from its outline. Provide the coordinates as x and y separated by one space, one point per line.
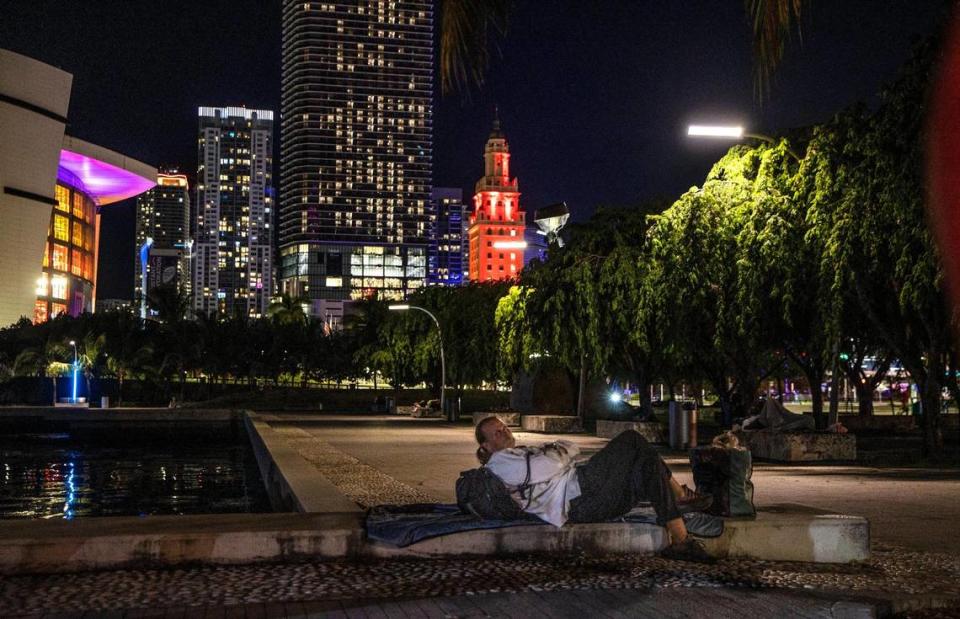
704 278
870 215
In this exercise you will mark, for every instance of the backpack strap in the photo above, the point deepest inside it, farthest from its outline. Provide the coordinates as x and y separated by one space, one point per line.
525 486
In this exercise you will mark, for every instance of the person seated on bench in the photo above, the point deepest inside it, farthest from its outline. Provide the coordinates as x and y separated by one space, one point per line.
625 472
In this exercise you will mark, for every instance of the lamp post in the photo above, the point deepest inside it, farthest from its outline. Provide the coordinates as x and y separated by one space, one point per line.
74 344
443 364
734 132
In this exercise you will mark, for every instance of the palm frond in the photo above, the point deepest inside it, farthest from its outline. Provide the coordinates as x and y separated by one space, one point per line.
772 22
465 29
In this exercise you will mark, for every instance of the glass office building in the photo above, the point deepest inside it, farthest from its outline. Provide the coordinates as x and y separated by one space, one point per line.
356 147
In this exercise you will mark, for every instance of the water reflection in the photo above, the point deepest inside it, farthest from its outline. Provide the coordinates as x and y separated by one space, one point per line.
59 476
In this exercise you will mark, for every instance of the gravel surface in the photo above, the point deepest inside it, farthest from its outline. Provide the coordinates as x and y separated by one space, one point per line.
890 571
360 482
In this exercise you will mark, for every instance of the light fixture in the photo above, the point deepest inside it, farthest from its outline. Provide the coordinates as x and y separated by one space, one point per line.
715 131
509 244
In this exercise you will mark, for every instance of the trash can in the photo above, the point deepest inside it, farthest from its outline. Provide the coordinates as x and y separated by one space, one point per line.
678 419
391 405
105 401
451 408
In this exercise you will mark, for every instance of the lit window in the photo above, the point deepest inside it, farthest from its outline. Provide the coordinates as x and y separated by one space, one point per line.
61 228
63 198
78 205
56 309
76 263
59 257
43 284
58 287
40 312
77 234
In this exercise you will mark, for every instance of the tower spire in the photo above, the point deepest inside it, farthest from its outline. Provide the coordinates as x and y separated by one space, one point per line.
496 132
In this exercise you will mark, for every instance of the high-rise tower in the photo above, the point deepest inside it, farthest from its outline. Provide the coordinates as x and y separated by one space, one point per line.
233 251
356 142
448 248
497 223
163 217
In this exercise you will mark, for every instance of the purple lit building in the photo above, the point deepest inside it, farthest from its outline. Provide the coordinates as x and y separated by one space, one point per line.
89 177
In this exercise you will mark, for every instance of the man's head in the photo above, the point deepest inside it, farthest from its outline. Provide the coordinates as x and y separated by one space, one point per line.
493 435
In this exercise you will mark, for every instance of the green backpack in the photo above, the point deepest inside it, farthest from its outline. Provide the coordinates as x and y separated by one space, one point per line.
724 473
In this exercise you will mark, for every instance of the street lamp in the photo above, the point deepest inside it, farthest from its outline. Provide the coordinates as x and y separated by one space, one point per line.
75 368
443 364
734 132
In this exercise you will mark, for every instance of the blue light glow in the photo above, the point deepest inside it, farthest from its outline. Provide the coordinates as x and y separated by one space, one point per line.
71 493
616 397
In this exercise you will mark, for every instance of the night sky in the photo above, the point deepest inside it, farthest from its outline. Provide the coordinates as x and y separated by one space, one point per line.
594 96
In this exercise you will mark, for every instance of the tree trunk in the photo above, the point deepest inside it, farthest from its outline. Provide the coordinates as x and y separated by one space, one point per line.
643 390
864 399
726 408
832 417
930 400
581 391
834 391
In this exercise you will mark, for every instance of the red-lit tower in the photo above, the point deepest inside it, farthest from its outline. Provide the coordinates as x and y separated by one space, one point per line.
497 222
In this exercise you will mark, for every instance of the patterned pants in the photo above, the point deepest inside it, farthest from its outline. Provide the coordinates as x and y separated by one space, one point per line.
625 472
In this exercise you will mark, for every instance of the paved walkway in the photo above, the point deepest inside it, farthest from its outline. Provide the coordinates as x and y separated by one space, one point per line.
607 604
912 508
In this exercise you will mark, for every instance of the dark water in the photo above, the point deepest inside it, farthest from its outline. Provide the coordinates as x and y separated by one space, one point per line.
57 475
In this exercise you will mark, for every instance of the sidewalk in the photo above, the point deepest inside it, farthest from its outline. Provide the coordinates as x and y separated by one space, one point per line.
612 604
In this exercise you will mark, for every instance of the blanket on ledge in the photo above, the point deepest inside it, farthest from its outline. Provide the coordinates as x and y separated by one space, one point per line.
402 525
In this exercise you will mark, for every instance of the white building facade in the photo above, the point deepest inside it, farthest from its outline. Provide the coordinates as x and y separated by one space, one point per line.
233 233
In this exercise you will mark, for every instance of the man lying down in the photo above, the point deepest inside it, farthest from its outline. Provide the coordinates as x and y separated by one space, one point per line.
551 484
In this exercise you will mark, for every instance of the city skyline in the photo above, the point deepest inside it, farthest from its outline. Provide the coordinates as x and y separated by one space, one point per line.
556 85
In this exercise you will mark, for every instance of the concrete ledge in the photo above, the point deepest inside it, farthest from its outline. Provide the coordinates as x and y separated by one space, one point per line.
78 415
799 446
601 538
511 419
792 532
651 431
780 533
292 482
550 424
110 543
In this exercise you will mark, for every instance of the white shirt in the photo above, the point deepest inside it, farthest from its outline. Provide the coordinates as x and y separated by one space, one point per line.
553 478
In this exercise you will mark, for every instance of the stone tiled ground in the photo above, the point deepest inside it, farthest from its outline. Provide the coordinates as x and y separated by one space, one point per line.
890 571
360 482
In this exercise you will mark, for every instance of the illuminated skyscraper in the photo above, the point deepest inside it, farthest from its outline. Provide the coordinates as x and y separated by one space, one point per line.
448 248
163 216
356 142
233 249
497 223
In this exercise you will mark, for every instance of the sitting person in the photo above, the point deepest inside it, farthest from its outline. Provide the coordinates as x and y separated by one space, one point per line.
607 486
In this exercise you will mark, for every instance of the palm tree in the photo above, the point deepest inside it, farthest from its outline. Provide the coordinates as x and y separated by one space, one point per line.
48 359
465 29
288 310
90 356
